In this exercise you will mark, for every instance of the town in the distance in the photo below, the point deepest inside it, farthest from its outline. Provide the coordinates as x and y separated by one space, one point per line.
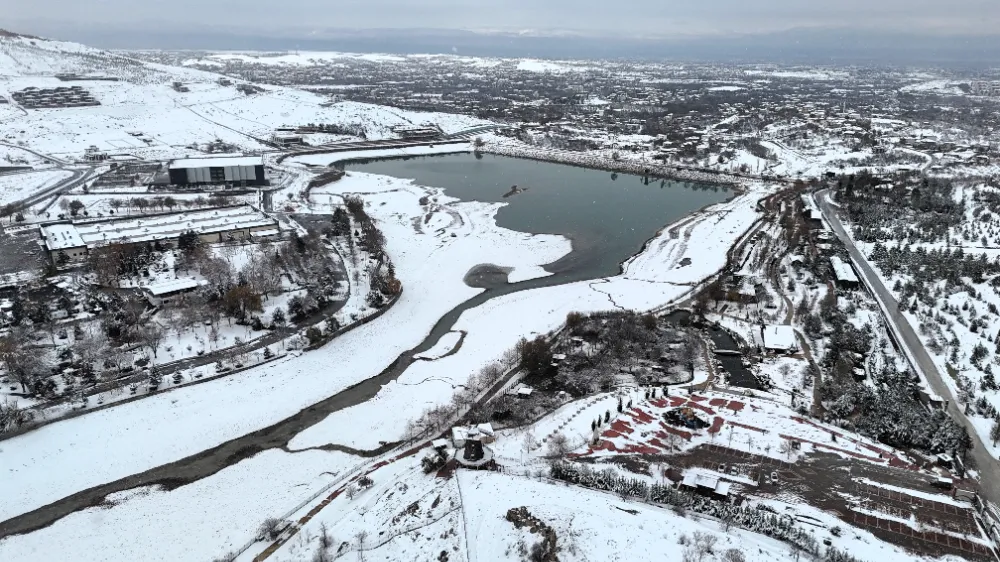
316 306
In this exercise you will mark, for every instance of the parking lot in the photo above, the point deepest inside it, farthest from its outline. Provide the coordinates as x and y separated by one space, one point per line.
20 250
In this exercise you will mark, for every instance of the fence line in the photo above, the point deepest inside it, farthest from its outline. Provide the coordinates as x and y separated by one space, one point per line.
344 475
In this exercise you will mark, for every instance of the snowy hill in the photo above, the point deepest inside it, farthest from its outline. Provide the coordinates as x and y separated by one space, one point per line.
143 114
482 515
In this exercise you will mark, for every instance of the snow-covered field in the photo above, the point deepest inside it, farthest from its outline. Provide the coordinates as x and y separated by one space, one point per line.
17 186
194 522
466 516
14 156
144 101
759 425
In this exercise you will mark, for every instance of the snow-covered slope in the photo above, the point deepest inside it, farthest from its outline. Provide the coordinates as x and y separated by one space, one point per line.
407 515
143 100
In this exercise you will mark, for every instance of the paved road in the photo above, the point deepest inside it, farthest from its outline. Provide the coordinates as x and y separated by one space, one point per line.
79 176
989 468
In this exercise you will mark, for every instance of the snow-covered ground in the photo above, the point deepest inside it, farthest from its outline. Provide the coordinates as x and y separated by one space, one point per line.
198 521
651 279
63 458
466 516
431 267
17 186
145 102
759 424
203 416
444 346
14 156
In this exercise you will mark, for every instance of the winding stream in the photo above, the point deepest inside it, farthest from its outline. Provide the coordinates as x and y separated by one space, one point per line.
608 219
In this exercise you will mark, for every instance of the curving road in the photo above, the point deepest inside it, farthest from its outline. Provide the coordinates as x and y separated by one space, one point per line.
986 464
48 157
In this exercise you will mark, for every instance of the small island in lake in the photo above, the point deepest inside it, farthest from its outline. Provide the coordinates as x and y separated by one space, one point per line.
514 190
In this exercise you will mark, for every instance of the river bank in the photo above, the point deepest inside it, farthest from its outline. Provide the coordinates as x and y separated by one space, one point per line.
667 269
622 165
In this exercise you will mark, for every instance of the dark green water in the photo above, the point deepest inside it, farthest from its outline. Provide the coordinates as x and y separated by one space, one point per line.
608 217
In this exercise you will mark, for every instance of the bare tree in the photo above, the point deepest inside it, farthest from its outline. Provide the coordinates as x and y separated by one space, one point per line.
105 262
23 363
325 540
213 335
269 529
787 448
690 353
217 271
13 417
91 349
152 336
360 538
261 275
673 441
785 370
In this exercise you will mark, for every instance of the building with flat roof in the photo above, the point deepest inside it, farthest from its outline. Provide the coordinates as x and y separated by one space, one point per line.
242 222
780 338
64 239
227 170
844 274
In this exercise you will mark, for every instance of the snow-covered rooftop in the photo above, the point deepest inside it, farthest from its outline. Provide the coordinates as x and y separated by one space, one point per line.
843 271
61 237
696 480
167 286
219 162
781 338
159 227
156 227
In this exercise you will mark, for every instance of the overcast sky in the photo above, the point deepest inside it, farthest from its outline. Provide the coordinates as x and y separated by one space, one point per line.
659 17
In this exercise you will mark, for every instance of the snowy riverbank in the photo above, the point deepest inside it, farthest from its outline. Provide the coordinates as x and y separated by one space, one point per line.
433 245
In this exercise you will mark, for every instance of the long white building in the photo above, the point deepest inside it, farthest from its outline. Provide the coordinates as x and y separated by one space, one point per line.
74 240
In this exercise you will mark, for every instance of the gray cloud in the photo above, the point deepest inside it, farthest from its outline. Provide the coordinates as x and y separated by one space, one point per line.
645 17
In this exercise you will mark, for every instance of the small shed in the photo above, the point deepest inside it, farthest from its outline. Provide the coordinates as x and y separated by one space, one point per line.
486 433
710 486
458 437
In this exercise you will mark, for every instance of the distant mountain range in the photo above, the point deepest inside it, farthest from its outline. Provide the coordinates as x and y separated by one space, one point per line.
797 46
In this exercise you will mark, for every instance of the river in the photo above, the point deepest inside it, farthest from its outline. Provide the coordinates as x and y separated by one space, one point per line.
609 217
